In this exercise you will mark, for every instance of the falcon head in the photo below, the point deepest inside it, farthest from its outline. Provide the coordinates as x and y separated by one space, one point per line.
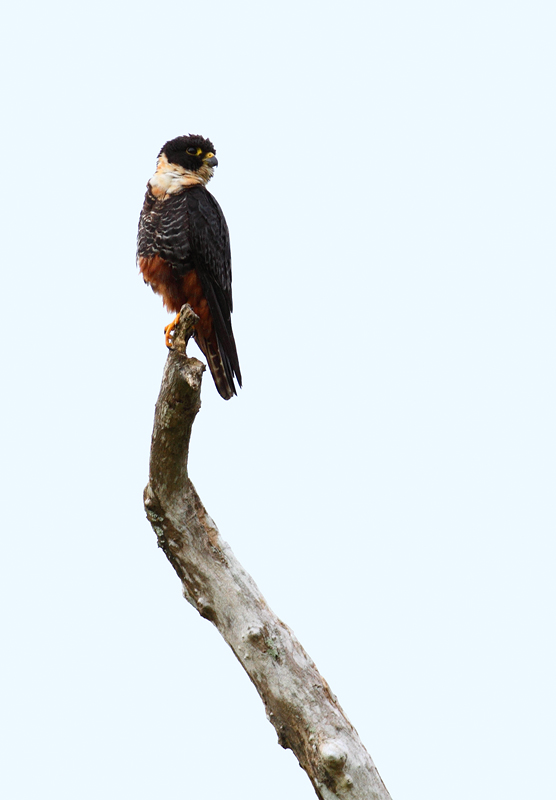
190 152
185 161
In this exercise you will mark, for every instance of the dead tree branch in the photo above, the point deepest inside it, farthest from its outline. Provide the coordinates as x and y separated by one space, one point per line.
298 701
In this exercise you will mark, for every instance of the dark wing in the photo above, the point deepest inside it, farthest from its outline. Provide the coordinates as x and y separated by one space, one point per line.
210 256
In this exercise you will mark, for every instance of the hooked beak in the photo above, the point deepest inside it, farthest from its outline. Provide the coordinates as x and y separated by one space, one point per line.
212 161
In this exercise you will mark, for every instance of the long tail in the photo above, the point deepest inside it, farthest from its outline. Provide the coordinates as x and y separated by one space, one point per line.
213 334
219 364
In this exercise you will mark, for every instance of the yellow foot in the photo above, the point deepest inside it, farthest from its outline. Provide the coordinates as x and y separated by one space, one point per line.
169 331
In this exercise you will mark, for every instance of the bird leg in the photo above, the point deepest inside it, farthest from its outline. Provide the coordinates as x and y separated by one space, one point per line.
169 330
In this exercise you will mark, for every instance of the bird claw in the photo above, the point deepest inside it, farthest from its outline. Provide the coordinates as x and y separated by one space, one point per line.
170 331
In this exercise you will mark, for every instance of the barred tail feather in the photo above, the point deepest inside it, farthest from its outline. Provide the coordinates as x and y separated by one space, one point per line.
216 340
219 365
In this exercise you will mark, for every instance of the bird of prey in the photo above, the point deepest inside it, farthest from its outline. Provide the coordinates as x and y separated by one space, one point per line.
183 252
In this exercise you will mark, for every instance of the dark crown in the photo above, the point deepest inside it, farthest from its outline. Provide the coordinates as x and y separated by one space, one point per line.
175 151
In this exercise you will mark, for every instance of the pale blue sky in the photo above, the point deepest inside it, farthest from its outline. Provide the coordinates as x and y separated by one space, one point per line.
386 474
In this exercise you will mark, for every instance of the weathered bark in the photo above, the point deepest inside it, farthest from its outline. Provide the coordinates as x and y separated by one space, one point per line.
298 701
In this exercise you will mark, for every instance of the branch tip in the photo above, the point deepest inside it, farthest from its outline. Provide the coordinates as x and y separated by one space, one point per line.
184 330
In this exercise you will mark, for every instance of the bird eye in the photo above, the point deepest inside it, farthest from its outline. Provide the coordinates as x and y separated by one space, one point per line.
192 151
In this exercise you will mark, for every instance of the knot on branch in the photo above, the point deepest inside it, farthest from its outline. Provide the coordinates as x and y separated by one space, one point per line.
333 758
155 514
206 609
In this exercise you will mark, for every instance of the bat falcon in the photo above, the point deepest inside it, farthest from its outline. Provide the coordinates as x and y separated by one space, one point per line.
183 252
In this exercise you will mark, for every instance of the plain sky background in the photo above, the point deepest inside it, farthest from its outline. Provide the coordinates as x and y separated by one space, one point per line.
387 473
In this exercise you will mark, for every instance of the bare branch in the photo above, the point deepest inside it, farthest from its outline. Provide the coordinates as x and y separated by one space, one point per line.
298 701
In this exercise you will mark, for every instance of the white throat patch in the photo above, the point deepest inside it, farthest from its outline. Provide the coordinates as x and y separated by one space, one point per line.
171 178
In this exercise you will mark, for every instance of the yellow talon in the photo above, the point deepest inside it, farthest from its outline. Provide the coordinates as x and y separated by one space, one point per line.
169 331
